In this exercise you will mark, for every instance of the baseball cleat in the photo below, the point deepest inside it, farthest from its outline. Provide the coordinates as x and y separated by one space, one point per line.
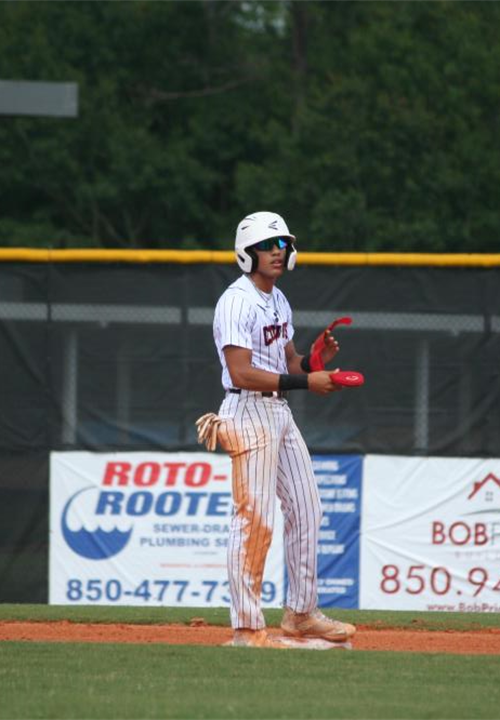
256 638
315 625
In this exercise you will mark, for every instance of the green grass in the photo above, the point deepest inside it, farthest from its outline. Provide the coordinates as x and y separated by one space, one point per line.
101 680
39 680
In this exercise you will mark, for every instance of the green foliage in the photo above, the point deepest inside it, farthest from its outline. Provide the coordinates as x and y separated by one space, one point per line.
368 125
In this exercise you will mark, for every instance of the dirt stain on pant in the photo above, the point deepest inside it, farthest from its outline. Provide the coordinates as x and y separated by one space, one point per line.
255 534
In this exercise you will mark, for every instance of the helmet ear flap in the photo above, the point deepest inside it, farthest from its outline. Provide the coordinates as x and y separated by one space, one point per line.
255 258
247 260
290 257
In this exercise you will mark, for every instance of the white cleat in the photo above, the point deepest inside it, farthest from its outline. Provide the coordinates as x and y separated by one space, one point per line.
315 625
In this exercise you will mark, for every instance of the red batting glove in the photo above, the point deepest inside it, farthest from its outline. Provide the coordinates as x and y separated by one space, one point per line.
316 361
347 378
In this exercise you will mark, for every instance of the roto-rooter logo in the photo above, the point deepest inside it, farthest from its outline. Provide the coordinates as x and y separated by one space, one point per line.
125 494
481 526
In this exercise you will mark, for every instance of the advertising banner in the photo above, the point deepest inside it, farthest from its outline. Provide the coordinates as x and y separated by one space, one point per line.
430 534
145 528
340 483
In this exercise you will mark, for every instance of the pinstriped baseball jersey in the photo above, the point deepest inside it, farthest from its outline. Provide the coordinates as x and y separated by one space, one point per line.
260 322
269 459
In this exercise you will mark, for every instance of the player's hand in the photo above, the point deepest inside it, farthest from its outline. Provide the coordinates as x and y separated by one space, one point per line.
325 347
321 382
330 349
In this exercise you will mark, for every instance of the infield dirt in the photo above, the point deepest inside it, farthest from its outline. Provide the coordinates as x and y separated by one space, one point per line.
485 641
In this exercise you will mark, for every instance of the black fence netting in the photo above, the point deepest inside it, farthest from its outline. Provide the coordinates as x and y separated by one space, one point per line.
121 357
24 527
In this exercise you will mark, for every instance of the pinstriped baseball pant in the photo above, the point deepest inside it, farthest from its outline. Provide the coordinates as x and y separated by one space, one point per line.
269 458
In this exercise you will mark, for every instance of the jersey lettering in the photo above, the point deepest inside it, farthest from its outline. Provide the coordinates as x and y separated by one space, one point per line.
273 332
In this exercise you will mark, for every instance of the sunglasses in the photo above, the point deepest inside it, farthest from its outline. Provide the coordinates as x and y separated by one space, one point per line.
266 245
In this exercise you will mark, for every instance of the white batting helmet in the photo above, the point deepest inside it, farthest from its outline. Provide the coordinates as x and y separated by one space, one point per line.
261 226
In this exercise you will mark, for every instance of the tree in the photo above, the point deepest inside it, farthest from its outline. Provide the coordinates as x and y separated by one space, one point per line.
369 126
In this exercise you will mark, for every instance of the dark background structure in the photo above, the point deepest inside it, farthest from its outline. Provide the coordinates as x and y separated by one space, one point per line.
120 356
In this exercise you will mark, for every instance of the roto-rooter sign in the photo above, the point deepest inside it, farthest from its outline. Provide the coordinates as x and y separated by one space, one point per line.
431 534
145 528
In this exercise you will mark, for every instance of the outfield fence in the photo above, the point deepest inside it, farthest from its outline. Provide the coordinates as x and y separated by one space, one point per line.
109 351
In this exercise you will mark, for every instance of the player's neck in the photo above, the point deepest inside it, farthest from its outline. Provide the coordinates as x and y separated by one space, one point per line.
263 283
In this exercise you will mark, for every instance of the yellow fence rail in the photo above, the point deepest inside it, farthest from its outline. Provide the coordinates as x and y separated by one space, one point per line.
227 257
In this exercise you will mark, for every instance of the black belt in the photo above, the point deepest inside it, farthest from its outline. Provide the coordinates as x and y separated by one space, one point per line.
277 393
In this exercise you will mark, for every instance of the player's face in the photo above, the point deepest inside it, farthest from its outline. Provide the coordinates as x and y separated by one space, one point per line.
272 258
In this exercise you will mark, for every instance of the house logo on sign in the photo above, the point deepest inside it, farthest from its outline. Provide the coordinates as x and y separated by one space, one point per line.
477 528
486 489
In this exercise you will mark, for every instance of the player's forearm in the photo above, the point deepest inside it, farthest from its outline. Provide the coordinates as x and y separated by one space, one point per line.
294 366
263 381
254 379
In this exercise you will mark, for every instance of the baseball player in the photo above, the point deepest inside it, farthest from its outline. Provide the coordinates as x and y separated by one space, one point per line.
253 332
